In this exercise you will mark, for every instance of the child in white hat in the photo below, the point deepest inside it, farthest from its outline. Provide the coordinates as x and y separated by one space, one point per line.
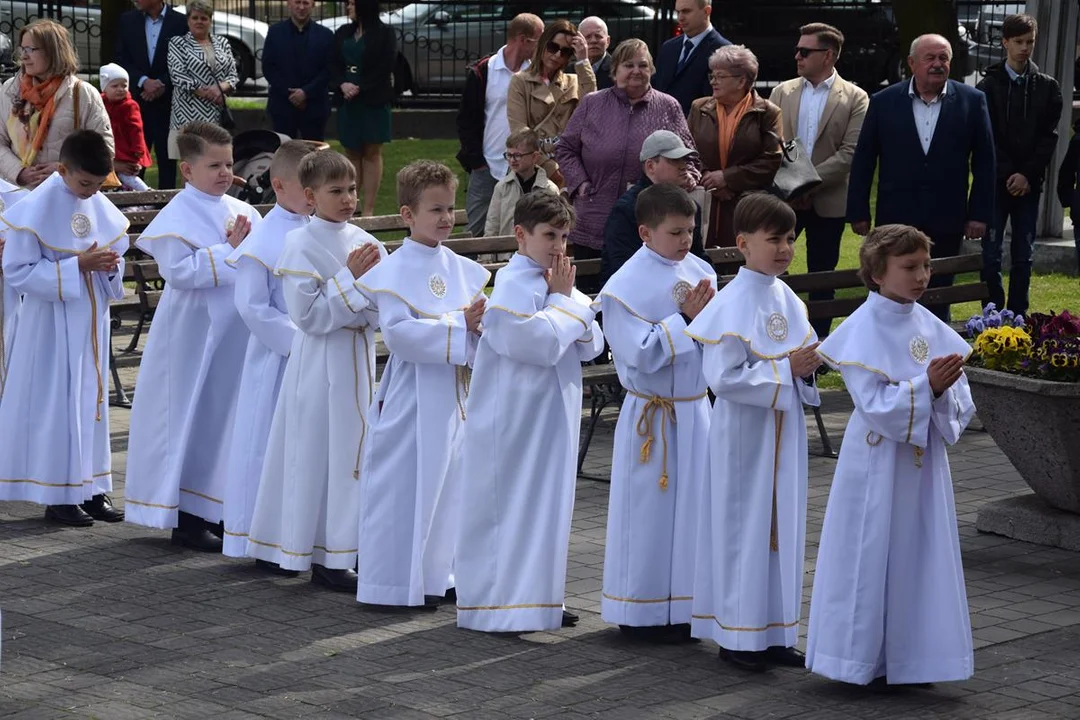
126 118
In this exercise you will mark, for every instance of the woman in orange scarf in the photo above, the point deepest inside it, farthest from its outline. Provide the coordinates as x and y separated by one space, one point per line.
38 105
737 136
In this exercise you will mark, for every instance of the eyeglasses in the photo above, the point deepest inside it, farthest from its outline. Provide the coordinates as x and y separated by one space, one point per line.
26 50
717 77
554 48
514 157
805 52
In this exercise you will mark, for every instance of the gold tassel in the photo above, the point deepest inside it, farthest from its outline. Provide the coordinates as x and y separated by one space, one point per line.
646 447
663 481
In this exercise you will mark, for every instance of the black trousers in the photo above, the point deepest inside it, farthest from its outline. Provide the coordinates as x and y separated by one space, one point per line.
945 245
155 117
823 237
299 124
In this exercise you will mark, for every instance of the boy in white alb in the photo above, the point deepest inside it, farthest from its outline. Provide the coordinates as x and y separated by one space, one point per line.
308 502
759 359
186 391
9 298
519 467
660 458
889 603
63 256
430 303
261 304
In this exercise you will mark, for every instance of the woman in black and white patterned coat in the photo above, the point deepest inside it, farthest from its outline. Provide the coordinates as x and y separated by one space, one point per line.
202 70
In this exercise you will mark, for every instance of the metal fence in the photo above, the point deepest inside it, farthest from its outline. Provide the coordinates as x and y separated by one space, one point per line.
438 39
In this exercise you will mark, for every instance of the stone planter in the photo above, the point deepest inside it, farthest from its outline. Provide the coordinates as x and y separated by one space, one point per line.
1036 423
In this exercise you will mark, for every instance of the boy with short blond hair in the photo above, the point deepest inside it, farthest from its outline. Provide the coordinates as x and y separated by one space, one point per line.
660 457
889 603
308 500
430 303
260 301
759 359
525 176
63 256
526 391
183 411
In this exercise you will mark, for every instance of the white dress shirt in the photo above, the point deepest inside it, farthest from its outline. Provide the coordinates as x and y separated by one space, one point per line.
152 27
811 106
496 125
694 42
926 114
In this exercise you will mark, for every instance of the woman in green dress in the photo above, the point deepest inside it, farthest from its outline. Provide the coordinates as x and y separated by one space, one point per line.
362 68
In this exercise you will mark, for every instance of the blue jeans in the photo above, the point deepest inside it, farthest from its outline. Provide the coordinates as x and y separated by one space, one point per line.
1024 213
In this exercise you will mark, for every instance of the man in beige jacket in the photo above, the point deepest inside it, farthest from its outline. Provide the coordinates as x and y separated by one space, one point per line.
826 113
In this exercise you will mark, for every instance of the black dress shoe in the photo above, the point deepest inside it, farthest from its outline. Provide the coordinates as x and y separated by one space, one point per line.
431 603
275 569
450 596
744 660
196 538
659 634
339 580
72 515
100 507
785 657
569 619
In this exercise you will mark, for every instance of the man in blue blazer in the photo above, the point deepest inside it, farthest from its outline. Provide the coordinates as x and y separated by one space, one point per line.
925 136
296 65
142 48
682 65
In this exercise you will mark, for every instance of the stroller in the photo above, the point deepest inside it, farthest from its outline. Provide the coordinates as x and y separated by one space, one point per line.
253 151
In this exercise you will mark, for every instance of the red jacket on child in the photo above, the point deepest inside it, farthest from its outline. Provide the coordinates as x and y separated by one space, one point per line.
127 127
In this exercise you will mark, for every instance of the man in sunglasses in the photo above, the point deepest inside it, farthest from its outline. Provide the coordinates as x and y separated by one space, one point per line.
682 65
825 112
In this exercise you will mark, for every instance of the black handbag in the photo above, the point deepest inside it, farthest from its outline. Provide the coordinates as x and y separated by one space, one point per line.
797 175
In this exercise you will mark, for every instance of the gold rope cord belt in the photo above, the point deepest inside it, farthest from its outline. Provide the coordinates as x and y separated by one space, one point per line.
88 277
666 408
462 377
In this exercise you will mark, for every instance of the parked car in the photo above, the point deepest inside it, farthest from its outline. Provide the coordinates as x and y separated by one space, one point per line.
83 19
438 40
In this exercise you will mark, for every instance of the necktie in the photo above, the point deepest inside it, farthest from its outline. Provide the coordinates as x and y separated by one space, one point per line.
687 48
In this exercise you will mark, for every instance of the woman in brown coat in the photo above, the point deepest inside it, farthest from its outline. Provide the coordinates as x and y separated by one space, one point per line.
542 97
737 134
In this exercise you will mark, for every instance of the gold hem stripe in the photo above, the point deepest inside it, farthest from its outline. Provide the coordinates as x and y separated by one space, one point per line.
129 501
283 551
674 598
298 273
199 494
213 265
249 255
567 312
525 606
44 484
508 311
731 628
342 294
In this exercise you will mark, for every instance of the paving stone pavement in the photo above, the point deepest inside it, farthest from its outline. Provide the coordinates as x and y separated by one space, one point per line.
112 622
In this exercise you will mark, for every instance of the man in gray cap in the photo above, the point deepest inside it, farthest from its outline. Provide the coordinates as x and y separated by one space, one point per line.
663 160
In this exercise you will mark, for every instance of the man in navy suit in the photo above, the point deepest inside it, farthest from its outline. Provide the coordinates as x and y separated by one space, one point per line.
925 136
296 64
682 65
142 48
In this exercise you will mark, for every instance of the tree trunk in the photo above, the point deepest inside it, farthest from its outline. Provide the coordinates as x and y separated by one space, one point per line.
919 17
110 20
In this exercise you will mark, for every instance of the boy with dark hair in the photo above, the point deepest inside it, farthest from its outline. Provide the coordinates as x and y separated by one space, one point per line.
759 359
515 531
889 603
308 500
660 458
63 255
1068 184
1025 107
430 302
522 153
184 407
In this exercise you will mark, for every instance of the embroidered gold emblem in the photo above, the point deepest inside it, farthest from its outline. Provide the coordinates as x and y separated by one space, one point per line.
437 286
80 225
776 327
919 349
680 291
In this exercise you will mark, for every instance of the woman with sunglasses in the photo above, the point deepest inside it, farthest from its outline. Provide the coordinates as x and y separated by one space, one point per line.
543 96
737 134
38 105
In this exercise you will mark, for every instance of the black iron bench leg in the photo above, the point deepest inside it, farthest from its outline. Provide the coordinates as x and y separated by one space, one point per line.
826 444
138 333
599 402
122 399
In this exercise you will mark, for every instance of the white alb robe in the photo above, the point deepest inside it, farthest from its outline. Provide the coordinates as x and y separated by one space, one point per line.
519 462
752 531
261 304
9 299
54 413
409 495
889 596
656 491
308 499
185 396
